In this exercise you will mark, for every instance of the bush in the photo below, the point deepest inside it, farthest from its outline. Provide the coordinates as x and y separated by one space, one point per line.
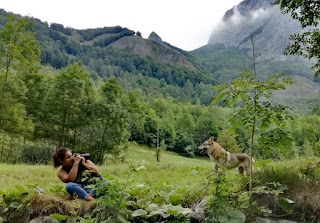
299 181
36 154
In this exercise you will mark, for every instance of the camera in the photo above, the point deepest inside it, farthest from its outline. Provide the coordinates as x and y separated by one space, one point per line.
84 155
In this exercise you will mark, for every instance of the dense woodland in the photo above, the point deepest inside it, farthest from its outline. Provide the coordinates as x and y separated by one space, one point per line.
56 91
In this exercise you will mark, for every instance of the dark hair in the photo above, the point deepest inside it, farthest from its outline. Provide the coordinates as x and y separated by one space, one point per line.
60 154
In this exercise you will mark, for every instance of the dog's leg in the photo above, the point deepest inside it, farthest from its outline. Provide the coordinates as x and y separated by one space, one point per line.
247 171
216 167
240 170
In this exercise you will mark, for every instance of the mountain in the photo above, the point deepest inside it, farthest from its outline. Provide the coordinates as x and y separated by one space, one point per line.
269 29
155 67
160 51
150 66
259 19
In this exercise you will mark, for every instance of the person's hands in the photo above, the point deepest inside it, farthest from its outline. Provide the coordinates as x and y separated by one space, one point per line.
78 159
83 160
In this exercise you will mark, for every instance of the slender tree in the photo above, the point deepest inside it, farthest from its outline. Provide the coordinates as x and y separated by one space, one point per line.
110 130
253 110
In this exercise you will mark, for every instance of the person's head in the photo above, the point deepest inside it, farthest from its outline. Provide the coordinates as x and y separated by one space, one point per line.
63 157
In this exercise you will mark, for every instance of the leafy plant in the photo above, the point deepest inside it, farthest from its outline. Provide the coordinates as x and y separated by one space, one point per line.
15 201
221 206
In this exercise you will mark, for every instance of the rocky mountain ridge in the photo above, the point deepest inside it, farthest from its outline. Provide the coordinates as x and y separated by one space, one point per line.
269 28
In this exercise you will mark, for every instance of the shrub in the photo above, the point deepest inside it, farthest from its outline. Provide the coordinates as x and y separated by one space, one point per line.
36 154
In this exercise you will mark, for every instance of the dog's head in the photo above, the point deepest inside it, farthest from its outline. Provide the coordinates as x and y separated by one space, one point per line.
203 148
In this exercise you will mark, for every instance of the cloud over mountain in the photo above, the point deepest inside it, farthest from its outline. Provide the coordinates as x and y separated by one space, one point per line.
261 20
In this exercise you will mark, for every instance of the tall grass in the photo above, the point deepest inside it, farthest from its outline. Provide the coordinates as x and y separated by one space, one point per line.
299 179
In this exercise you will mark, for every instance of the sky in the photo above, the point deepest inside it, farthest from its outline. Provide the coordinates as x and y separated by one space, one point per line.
186 24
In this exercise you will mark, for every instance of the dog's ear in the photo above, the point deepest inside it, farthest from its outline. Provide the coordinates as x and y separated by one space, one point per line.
211 140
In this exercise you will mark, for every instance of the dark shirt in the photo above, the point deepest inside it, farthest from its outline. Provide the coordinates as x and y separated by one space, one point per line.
79 176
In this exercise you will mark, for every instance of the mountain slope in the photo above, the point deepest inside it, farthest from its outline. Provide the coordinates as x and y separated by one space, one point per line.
259 19
155 67
145 47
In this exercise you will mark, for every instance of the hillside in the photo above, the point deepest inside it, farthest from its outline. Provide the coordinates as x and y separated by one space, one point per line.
158 68
146 48
302 97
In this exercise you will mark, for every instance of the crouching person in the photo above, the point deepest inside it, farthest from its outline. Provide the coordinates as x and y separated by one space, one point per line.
72 172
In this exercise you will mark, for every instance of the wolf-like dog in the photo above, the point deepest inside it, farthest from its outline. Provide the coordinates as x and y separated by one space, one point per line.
222 158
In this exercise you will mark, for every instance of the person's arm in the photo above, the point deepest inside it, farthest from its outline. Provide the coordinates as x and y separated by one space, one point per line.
71 176
90 166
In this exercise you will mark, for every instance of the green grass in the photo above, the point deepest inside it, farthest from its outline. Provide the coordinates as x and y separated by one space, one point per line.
175 179
173 175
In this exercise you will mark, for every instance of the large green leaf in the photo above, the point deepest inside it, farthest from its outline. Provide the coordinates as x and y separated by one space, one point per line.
140 213
232 216
59 217
176 209
286 204
161 212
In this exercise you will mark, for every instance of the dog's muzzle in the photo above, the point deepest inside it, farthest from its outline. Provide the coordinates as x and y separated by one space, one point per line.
202 149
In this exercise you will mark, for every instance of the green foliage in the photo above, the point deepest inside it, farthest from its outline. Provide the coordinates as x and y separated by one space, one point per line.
34 153
136 114
307 43
111 126
19 53
14 203
306 131
286 204
275 143
300 176
61 46
151 191
224 204
253 111
227 140
112 203
68 104
110 39
64 107
61 28
90 34
117 203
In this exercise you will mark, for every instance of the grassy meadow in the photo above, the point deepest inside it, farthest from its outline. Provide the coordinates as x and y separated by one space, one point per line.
172 170
176 180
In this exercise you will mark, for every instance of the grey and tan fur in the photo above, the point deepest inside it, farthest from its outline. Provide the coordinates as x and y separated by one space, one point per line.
222 158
